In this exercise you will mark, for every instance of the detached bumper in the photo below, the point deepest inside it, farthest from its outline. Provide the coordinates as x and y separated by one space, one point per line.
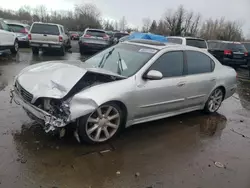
42 117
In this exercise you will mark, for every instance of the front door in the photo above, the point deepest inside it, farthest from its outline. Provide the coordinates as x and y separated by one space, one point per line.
166 95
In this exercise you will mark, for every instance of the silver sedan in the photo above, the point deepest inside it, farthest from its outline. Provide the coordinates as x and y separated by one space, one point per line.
130 83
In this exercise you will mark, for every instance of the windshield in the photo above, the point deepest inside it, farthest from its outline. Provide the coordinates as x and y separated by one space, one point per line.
123 59
45 29
196 43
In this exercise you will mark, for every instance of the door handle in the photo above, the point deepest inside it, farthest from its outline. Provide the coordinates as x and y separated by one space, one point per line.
212 79
181 84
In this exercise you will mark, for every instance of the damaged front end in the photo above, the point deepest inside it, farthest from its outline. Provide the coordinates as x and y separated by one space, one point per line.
55 113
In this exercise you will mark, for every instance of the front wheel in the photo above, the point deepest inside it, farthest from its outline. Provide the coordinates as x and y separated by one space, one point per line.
101 125
15 47
214 101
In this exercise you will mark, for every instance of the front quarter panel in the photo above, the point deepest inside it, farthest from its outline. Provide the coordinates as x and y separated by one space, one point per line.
88 100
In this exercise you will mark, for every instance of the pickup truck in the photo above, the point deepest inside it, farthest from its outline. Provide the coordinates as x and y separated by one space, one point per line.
228 53
48 36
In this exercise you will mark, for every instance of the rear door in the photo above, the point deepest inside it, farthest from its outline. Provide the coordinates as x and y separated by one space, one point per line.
44 33
95 37
200 79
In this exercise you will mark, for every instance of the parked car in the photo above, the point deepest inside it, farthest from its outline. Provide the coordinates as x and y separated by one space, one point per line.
190 41
129 83
109 33
228 53
123 39
247 46
116 36
93 40
48 36
8 39
74 35
21 31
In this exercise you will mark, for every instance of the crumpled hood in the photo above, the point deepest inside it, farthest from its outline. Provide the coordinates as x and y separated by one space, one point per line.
54 79
50 79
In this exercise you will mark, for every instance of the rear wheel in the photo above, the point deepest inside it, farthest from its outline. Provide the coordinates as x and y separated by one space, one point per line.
101 125
35 50
15 47
214 101
62 51
81 51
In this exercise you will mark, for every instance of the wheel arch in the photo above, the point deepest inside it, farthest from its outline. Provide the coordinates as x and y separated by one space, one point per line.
223 90
123 108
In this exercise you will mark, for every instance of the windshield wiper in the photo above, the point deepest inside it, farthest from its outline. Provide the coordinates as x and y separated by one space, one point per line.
103 60
119 66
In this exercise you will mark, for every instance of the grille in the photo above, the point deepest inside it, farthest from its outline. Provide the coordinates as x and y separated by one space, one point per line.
25 94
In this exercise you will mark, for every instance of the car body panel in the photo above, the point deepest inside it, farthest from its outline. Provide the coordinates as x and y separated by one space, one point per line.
144 100
7 38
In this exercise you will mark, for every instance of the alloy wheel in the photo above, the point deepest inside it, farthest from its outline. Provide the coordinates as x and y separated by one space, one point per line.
215 100
102 124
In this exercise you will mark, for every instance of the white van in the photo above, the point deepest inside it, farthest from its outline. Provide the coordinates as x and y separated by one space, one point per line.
189 41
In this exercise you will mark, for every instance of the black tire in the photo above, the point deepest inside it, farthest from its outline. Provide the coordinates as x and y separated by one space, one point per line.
207 109
35 50
81 51
62 51
15 47
82 125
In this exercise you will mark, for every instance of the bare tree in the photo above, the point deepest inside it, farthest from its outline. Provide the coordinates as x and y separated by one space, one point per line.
123 24
146 24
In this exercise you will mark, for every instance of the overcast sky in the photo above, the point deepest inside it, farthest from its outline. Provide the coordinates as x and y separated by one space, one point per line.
135 10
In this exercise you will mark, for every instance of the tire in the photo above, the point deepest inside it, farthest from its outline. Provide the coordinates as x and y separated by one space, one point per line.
62 51
91 125
35 50
81 51
15 47
214 101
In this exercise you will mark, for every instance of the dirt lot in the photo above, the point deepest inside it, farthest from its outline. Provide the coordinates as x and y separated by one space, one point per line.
192 150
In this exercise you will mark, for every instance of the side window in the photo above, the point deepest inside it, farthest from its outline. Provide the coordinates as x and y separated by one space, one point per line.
169 64
198 63
61 30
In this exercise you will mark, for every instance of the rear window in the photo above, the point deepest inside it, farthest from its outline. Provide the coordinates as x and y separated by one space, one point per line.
247 46
45 29
196 43
236 47
175 40
96 33
16 28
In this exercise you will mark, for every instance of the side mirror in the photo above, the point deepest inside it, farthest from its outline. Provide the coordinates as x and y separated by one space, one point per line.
153 75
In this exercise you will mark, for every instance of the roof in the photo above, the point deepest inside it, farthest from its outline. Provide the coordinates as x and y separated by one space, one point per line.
161 47
178 37
223 41
47 23
95 29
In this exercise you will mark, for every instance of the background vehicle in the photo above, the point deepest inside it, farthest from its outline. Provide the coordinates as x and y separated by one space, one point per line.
21 31
93 40
228 53
74 35
123 39
48 36
247 46
116 36
8 39
190 41
129 83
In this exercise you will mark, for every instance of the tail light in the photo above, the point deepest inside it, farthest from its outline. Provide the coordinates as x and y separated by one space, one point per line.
29 36
60 39
87 36
246 54
106 37
228 52
24 30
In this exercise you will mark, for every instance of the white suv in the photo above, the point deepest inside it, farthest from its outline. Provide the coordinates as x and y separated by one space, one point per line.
48 36
8 39
189 41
